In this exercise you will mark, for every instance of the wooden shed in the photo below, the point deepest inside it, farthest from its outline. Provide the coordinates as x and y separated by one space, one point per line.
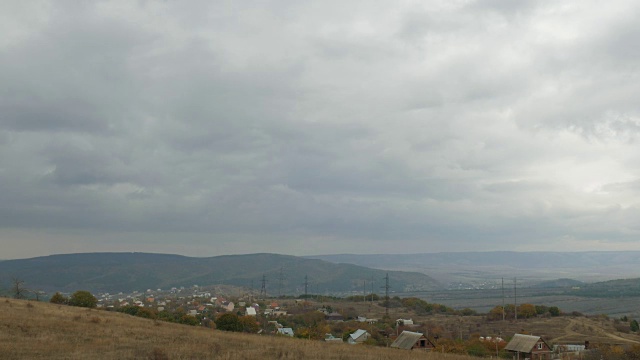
409 340
529 346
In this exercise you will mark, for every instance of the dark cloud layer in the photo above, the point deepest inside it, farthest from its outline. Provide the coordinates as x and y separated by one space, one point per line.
218 127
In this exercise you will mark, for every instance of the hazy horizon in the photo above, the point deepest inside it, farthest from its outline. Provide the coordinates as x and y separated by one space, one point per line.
335 254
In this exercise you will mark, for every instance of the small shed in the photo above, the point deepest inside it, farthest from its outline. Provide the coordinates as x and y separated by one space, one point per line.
409 340
332 339
285 331
529 346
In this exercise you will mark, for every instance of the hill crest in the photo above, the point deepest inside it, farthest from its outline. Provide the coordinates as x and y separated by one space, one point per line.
113 272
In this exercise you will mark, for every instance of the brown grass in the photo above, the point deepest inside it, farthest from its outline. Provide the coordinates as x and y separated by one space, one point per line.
31 330
556 330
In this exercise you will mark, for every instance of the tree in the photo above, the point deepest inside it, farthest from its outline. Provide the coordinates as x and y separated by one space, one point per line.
83 298
228 322
526 311
541 309
467 312
248 324
554 311
495 313
18 289
58 298
634 325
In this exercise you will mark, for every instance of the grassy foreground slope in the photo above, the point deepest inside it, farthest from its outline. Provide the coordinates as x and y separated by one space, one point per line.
33 330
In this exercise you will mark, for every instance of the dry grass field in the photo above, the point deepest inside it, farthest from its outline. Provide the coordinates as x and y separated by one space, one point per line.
33 330
556 330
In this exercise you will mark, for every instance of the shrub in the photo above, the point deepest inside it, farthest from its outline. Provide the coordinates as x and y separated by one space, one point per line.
468 312
83 298
228 322
58 298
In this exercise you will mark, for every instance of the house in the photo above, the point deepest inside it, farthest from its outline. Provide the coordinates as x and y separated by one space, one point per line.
404 322
332 339
250 311
285 331
410 340
228 306
568 349
529 346
367 320
276 324
358 337
334 316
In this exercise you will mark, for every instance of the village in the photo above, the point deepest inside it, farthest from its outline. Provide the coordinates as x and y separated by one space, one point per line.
363 321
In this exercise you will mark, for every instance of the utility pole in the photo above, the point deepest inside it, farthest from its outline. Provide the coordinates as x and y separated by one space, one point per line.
306 285
364 291
251 291
371 289
515 297
503 299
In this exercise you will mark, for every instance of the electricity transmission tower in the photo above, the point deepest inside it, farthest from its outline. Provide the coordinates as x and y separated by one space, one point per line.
281 279
386 295
263 288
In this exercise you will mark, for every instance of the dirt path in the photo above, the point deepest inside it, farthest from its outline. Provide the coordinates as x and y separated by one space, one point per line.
570 332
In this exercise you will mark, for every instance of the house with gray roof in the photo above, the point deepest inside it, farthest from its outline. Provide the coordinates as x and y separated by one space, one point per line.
358 337
286 331
529 346
409 340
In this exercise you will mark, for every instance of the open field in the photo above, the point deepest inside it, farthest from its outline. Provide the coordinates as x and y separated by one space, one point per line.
483 300
32 330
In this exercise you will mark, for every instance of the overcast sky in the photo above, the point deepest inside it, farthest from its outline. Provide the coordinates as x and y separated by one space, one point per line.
220 127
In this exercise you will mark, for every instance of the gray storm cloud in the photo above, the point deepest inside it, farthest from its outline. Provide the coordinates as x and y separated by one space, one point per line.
205 128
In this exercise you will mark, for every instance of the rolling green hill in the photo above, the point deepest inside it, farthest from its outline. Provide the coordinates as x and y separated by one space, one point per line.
610 289
114 272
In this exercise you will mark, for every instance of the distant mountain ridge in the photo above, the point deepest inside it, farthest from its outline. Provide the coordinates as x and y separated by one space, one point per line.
529 259
588 266
114 272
